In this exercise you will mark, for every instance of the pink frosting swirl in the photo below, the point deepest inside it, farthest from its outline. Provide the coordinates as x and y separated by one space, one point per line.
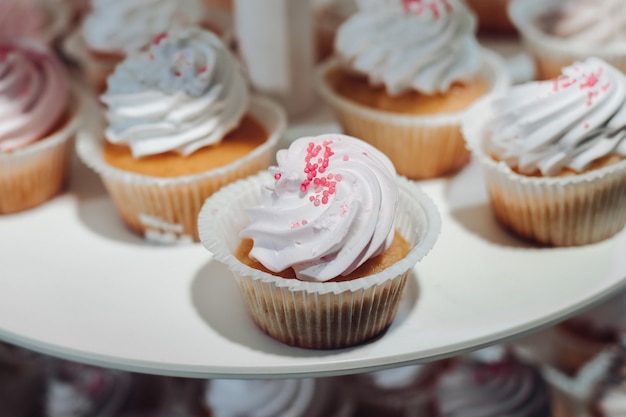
33 93
332 208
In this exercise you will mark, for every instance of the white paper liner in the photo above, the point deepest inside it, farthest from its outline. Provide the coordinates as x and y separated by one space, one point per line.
166 209
551 53
317 314
559 211
32 175
419 146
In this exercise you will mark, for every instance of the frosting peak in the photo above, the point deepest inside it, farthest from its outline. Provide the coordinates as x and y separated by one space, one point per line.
185 93
567 122
33 93
425 45
332 208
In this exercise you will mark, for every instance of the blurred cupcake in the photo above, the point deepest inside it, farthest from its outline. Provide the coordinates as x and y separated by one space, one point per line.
115 29
181 124
493 16
321 246
398 392
558 33
38 118
275 398
79 390
329 16
553 155
405 73
579 339
22 382
493 382
38 19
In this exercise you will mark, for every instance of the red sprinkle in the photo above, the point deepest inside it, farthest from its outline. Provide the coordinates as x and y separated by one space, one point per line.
277 176
159 38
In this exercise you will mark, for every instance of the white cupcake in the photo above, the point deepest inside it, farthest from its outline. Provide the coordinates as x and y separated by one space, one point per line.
553 155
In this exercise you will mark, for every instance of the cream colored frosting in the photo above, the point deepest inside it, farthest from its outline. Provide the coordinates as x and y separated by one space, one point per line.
332 208
128 26
410 44
592 21
185 93
33 92
568 122
260 398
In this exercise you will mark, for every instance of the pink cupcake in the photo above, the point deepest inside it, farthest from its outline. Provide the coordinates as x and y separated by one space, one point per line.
39 115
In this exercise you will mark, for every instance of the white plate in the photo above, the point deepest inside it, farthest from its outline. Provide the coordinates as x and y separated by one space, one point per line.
76 284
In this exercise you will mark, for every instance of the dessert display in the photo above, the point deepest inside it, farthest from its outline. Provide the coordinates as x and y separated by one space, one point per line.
180 124
112 30
558 33
550 150
305 397
397 392
494 382
39 115
405 73
334 234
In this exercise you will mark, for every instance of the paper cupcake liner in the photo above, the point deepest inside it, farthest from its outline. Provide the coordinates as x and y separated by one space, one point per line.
558 211
419 146
34 174
551 53
165 210
319 315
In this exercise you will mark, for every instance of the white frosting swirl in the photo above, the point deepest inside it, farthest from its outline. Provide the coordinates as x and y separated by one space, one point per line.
260 398
424 45
128 26
185 93
505 388
400 377
592 22
332 208
570 121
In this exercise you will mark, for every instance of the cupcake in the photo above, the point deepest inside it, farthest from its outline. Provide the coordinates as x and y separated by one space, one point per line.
493 16
78 390
304 397
398 392
22 382
558 33
115 29
404 75
493 382
38 117
577 340
33 19
553 155
323 244
181 124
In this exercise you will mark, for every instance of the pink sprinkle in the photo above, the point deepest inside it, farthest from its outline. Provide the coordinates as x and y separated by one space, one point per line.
295 225
338 177
177 73
304 222
159 38
586 125
606 86
311 198
324 200
346 157
316 203
277 176
303 188
202 69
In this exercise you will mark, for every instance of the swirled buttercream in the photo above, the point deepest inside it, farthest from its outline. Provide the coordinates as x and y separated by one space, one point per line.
505 388
569 121
591 22
424 45
185 93
331 209
260 398
33 93
130 25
